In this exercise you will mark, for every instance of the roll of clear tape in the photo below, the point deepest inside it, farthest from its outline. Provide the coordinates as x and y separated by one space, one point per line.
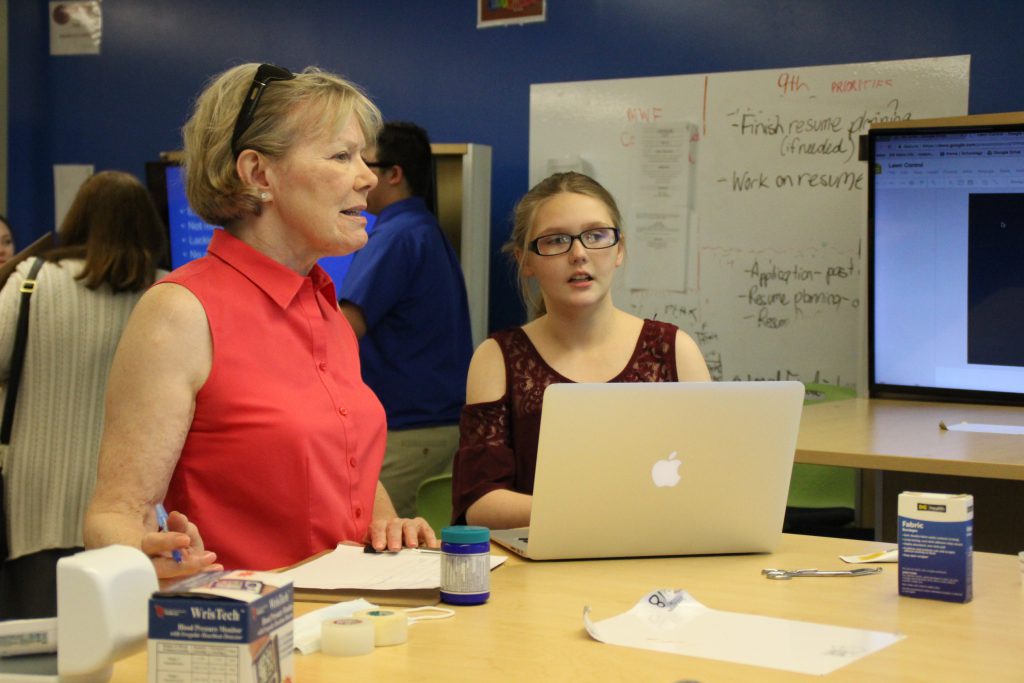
347 637
389 627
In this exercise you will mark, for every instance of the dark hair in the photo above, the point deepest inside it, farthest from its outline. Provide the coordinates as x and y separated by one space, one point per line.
113 225
407 145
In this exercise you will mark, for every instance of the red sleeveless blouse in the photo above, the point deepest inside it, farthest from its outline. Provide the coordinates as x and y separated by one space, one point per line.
284 451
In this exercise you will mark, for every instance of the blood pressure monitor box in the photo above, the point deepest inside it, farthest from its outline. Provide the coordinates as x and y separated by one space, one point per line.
935 545
222 626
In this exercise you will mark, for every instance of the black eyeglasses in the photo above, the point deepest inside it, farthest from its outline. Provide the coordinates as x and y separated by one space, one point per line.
265 75
594 238
379 164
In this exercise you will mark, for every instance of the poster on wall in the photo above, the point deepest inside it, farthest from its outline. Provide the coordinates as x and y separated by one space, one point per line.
76 28
67 180
505 12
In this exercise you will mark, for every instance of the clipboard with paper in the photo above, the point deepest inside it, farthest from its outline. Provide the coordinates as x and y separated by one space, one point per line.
410 577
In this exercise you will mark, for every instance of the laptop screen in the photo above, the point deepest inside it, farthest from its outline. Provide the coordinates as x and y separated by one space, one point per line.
946 248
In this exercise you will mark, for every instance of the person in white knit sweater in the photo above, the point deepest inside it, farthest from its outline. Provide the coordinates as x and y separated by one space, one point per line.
111 243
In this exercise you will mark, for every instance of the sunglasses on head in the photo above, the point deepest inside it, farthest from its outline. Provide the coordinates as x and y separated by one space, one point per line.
265 75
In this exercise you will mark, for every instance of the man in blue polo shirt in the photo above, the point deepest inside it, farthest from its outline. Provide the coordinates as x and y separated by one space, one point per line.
405 297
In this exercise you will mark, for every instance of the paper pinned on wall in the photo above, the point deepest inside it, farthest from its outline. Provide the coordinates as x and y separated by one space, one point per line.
663 224
672 621
76 28
67 179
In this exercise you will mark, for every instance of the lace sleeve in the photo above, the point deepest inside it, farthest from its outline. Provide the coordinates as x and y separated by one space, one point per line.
485 460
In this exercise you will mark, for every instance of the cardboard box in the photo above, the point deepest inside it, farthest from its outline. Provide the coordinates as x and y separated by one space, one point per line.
935 545
234 627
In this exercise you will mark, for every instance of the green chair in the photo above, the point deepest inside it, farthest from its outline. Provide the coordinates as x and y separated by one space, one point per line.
823 498
434 501
819 393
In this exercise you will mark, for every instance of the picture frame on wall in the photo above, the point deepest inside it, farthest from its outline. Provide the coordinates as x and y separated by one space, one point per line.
507 12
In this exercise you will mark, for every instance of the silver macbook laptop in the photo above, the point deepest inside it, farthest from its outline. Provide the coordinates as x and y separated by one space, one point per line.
632 470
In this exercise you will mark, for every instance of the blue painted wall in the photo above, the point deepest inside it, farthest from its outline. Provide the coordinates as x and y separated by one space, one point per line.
427 61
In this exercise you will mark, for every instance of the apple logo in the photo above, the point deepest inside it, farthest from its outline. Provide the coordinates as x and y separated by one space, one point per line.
666 472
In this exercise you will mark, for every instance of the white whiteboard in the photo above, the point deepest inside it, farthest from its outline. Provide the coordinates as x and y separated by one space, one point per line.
744 203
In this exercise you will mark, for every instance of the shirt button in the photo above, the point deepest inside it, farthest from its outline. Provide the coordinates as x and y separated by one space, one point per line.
343 412
352 462
359 513
323 365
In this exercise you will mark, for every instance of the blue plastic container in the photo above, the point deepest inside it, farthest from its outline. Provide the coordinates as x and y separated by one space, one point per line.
465 565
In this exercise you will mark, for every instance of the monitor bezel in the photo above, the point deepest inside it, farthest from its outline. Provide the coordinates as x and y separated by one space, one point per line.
884 390
156 183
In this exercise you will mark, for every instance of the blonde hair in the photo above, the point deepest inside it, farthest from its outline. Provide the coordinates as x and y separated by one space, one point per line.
310 103
526 210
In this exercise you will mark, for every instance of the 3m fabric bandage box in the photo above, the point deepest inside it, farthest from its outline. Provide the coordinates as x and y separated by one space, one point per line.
935 545
232 626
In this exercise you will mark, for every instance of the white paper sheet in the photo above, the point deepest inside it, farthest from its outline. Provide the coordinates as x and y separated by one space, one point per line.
672 621
349 567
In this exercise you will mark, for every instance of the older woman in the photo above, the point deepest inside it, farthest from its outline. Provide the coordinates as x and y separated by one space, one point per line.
236 391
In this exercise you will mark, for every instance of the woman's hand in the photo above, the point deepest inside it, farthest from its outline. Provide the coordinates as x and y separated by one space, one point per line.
388 531
181 536
397 532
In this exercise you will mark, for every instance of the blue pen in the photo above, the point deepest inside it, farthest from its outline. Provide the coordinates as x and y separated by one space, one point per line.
161 520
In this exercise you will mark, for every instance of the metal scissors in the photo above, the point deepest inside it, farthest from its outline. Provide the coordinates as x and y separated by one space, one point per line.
786 574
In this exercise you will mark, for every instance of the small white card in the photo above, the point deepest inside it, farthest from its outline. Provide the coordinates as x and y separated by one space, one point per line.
981 428
890 555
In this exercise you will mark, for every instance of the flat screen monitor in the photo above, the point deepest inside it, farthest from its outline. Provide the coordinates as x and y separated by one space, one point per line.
188 235
946 263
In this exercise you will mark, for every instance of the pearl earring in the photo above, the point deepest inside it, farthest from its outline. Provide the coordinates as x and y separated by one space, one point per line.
264 196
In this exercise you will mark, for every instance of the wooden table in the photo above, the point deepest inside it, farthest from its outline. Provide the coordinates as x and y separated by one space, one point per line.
905 436
903 442
532 627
